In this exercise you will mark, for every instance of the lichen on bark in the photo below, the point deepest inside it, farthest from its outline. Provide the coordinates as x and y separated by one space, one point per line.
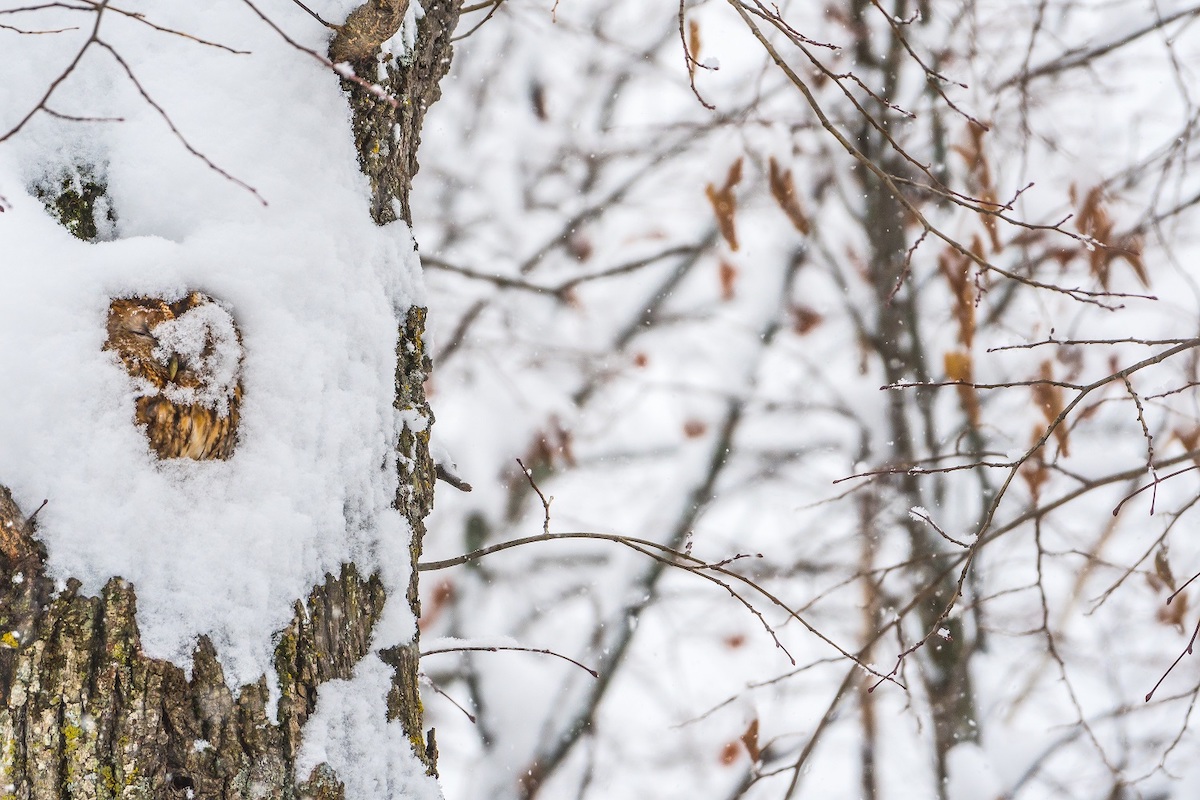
414 498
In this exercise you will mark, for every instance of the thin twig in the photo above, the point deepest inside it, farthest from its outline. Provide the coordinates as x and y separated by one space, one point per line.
528 473
318 18
1079 57
341 69
433 685
499 648
33 517
171 124
690 61
72 118
495 6
1149 437
1073 342
1187 651
62 76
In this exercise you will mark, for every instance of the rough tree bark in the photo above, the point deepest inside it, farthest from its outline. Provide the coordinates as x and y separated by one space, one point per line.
85 713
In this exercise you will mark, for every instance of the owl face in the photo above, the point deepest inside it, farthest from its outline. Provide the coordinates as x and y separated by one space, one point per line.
186 357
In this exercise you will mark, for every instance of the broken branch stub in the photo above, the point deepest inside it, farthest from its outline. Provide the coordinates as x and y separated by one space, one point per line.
366 29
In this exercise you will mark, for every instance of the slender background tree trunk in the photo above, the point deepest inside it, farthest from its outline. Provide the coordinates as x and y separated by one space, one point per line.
911 425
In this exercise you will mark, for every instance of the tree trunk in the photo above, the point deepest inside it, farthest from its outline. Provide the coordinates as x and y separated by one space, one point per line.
910 422
85 712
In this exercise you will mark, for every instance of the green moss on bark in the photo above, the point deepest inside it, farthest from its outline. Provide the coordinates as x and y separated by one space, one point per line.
78 199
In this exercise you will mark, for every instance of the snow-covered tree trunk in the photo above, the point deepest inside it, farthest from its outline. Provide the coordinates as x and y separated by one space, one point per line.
88 715
85 712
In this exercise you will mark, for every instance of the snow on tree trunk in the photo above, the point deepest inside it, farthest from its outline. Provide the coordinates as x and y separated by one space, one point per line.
86 713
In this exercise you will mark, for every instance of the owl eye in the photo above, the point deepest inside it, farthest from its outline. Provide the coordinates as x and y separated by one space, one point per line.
141 329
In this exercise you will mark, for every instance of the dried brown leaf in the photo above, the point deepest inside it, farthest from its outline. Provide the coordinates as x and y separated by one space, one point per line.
956 268
724 203
783 189
579 245
988 195
439 599
570 298
1174 613
537 99
804 319
977 247
1162 567
1154 582
1034 472
1130 248
982 183
734 176
1093 220
724 207
1028 237
566 442
1050 399
1088 411
750 740
959 367
727 274
1190 439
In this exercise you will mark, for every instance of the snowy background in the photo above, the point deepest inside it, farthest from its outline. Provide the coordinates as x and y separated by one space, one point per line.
588 316
622 388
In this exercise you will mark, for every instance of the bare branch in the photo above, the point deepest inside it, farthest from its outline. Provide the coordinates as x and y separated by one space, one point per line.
500 648
170 124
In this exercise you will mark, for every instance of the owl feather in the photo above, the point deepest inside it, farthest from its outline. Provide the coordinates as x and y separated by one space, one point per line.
185 357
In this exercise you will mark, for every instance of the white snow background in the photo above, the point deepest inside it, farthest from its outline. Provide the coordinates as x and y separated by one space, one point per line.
217 548
486 205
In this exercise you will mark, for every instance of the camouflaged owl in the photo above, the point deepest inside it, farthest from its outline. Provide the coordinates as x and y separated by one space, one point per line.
186 359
